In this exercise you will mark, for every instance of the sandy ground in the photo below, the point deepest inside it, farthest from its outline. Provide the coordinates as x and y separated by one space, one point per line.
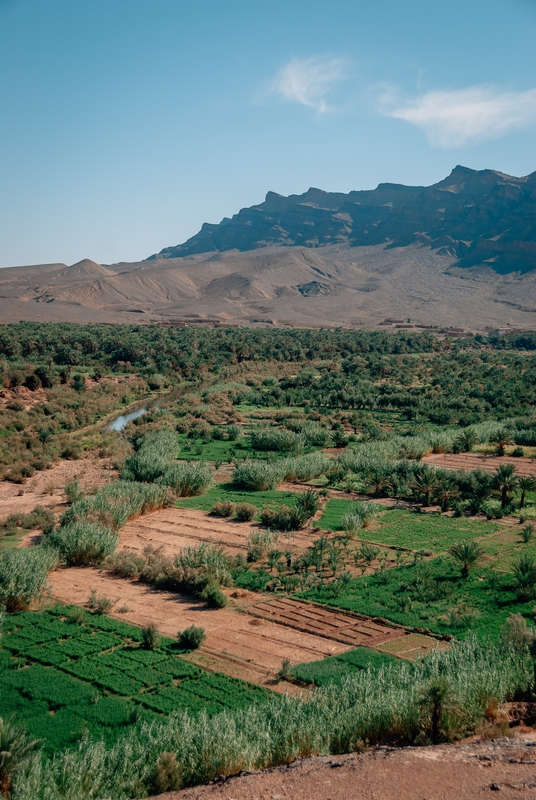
46 487
469 461
237 644
505 768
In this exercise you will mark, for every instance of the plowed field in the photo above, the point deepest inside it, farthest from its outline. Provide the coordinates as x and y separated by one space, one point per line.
347 629
469 461
173 529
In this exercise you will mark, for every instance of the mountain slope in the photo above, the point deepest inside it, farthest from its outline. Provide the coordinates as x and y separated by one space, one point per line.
480 217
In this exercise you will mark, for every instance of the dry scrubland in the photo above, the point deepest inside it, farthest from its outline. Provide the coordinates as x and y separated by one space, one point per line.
348 517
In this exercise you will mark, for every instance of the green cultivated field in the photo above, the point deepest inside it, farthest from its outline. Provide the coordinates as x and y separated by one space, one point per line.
228 491
410 529
335 668
63 679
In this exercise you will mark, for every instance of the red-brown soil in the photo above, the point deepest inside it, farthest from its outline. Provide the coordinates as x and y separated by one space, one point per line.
173 529
503 767
351 629
469 461
46 487
237 644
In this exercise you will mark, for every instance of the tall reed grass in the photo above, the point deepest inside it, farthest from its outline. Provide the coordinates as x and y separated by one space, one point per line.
366 708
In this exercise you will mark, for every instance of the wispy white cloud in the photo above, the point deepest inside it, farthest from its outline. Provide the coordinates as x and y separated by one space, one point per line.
308 80
465 116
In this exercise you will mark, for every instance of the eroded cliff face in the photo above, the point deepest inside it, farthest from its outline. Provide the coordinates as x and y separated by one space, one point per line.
480 217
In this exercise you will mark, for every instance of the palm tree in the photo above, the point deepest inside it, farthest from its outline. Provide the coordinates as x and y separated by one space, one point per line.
526 484
467 554
481 491
434 701
505 480
501 438
525 576
425 483
15 750
378 480
447 490
466 441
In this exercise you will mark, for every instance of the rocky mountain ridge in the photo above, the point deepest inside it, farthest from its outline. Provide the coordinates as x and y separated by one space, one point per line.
477 216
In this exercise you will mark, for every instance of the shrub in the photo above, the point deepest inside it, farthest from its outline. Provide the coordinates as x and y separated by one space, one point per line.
99 604
116 503
125 563
150 637
83 543
223 508
168 773
234 432
23 576
75 615
245 512
73 491
192 637
156 452
214 597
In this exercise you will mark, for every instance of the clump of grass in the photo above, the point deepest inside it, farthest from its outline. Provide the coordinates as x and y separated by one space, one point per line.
83 542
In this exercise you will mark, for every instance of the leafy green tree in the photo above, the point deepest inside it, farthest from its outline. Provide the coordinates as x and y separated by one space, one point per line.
434 701
467 554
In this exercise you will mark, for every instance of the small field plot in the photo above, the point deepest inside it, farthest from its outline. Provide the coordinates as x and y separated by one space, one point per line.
334 669
62 678
228 491
415 531
470 461
345 628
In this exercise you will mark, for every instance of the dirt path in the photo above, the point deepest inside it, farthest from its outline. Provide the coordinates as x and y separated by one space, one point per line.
470 461
237 644
505 768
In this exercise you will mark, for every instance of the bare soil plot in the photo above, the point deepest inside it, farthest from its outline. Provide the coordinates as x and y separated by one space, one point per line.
237 644
173 529
345 628
470 461
46 487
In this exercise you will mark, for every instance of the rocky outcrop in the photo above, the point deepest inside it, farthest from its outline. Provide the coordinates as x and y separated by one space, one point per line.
480 217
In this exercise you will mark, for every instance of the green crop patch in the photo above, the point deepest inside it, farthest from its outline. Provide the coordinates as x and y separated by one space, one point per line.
230 492
64 679
334 668
409 529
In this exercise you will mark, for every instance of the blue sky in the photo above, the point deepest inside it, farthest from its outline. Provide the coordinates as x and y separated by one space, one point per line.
125 124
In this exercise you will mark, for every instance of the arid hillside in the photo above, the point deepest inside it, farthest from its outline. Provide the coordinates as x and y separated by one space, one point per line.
458 254
328 286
